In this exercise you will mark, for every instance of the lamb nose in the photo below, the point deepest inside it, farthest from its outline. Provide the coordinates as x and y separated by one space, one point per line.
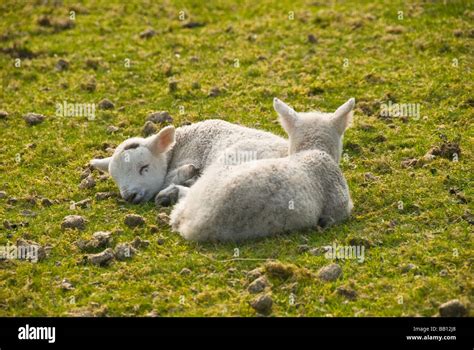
130 197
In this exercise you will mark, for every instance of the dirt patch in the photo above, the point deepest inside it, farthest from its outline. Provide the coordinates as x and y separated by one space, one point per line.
88 182
347 292
139 243
147 34
74 222
124 251
30 250
33 118
8 225
160 117
100 239
19 51
106 104
395 29
134 220
100 196
100 259
61 65
149 129
448 150
285 271
193 24
58 24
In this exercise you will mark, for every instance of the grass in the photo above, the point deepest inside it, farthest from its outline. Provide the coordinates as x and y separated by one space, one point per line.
252 51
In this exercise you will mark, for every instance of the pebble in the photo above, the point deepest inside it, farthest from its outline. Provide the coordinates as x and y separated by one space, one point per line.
112 129
255 273
453 308
185 271
409 267
330 272
85 203
102 237
66 285
320 250
262 304
12 200
258 285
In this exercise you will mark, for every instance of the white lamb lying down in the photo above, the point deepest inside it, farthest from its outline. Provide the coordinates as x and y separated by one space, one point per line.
141 167
272 196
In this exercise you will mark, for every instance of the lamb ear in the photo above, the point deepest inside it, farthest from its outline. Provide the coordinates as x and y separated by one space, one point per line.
288 116
161 142
101 164
343 116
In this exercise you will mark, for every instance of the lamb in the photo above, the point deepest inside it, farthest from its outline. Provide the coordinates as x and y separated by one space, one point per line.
141 167
273 196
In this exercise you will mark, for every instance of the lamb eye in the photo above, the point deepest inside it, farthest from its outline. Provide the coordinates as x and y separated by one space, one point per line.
143 169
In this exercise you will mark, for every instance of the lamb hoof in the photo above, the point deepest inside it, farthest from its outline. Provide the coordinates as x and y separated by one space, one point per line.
169 196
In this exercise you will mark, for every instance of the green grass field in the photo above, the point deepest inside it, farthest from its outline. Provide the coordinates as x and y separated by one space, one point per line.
312 55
